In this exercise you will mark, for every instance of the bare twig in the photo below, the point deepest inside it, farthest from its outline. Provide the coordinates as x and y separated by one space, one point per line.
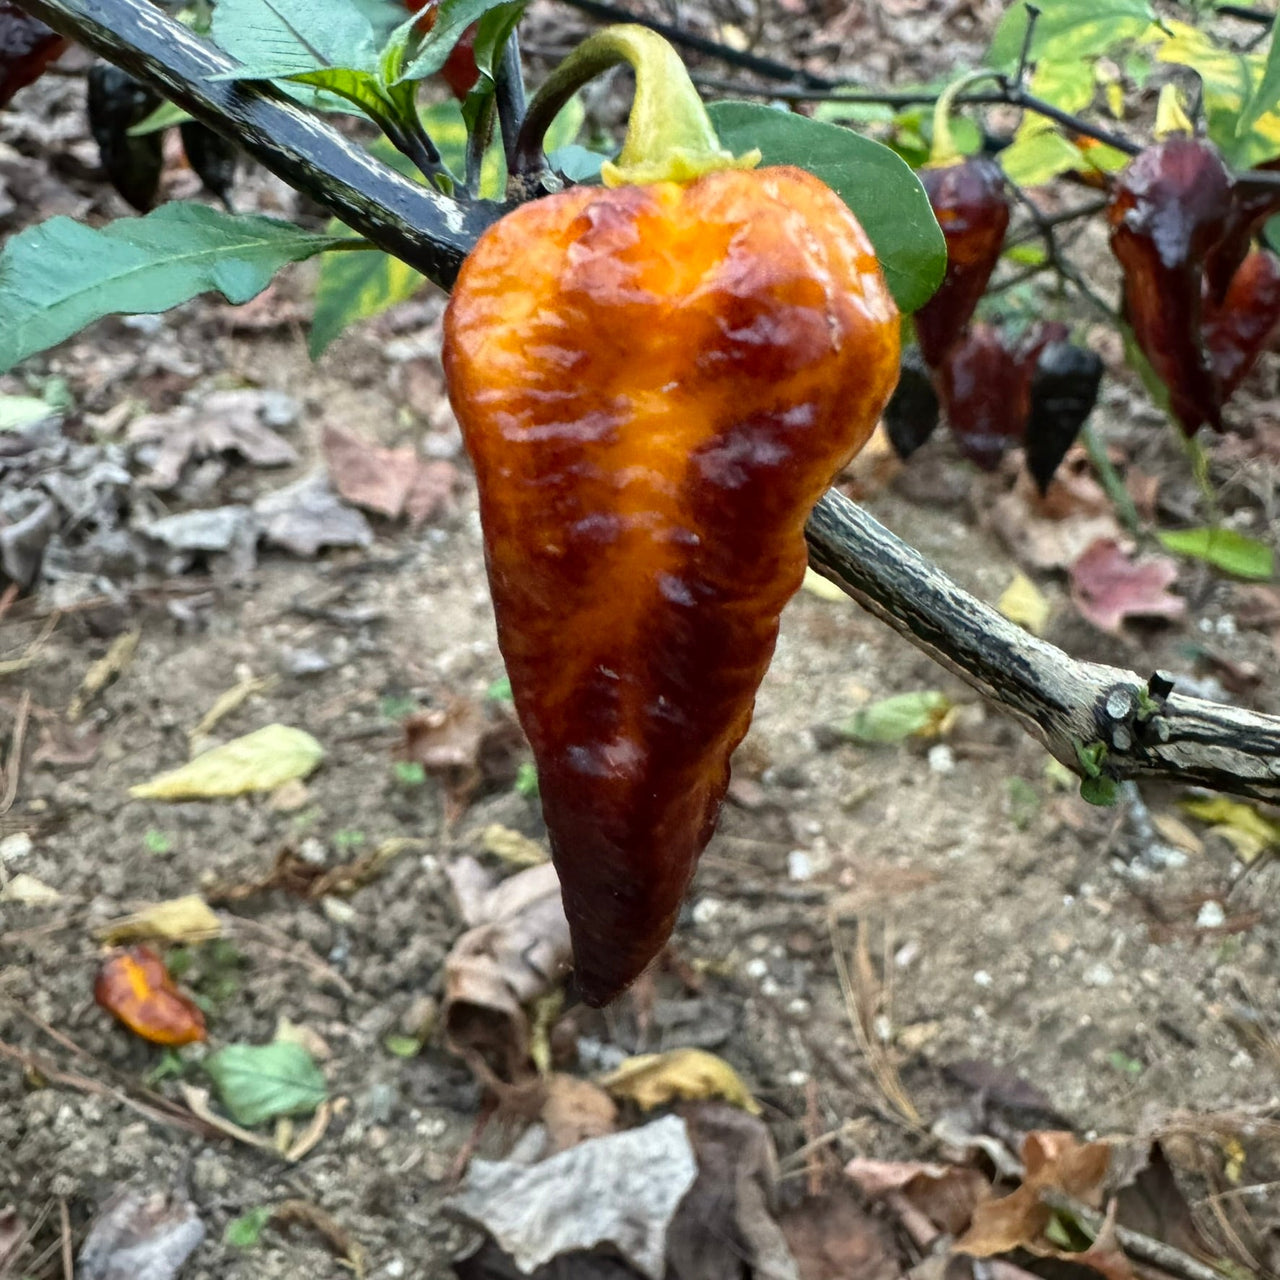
64 1222
13 770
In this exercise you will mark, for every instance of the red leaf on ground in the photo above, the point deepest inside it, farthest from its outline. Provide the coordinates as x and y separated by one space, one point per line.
1108 586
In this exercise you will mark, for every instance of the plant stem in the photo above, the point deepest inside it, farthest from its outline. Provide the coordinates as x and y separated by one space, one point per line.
510 95
1110 480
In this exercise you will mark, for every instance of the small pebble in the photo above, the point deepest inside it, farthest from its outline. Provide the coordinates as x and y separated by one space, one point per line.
337 911
1211 916
313 852
15 847
757 968
982 978
1098 975
705 910
799 866
942 759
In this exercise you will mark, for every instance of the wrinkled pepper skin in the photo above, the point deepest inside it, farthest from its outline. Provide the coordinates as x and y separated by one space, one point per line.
985 388
655 384
27 47
1169 209
1240 330
972 209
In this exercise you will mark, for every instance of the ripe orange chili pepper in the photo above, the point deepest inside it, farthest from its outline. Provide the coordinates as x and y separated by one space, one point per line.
135 986
655 382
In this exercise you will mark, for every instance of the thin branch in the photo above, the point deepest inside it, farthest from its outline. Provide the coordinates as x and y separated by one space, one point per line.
415 223
765 67
1061 701
1024 54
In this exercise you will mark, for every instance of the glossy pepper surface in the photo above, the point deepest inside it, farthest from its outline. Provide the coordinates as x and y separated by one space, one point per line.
27 47
971 206
655 383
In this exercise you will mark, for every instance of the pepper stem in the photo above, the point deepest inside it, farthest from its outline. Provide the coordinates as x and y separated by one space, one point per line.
944 150
670 137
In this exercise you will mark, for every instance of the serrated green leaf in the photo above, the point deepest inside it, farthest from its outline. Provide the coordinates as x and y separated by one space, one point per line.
258 761
165 116
258 1082
1069 29
905 715
61 275
870 178
355 286
1225 548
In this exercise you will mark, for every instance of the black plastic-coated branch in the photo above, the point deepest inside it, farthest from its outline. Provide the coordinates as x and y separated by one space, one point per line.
1069 705
415 223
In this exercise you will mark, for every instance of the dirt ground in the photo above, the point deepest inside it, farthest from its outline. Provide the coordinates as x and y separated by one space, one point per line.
1008 922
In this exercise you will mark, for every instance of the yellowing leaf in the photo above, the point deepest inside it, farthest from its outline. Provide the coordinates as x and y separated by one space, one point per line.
1248 832
690 1075
1024 603
1171 119
511 846
924 714
260 761
188 919
821 587
29 891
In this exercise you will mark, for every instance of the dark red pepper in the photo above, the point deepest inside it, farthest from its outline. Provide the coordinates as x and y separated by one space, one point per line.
116 103
972 207
985 387
27 47
1237 332
1064 389
460 71
1169 210
911 415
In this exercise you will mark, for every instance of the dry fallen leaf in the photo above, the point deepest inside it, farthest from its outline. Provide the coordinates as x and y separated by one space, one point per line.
1024 603
367 475
187 919
512 847
29 892
1053 1160
946 1194
681 1075
575 1110
135 987
832 1237
470 748
259 761
1109 587
140 1236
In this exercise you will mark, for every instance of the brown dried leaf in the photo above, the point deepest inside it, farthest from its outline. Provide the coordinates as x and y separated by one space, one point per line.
341 1244
1053 1160
433 491
517 952
367 475
946 1194
470 749
64 747
575 1110
1109 587
13 1236
833 1238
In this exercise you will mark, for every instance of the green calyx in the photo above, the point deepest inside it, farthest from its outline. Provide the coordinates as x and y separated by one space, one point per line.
944 151
669 134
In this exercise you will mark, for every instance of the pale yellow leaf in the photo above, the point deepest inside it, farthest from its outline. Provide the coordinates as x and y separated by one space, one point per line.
1241 825
260 761
29 891
1024 603
511 846
821 587
689 1075
188 919
1171 119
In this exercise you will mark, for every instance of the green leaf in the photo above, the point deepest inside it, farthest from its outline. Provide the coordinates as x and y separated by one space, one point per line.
258 1082
876 184
1266 93
453 17
165 116
355 286
258 761
1234 552
361 88
578 164
278 38
60 275
402 1046
903 716
17 412
245 1231
1102 791
1069 29
1037 155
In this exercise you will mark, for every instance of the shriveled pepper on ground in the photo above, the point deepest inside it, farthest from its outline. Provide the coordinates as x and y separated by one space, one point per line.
655 382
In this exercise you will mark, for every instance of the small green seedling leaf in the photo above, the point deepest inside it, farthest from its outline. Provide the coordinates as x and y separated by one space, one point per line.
17 412
905 715
1225 548
259 1082
526 783
408 773
245 1231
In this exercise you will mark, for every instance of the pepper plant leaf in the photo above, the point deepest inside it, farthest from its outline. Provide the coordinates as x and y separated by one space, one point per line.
1068 30
61 275
453 17
875 182
1266 93
1225 548
257 1082
287 37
